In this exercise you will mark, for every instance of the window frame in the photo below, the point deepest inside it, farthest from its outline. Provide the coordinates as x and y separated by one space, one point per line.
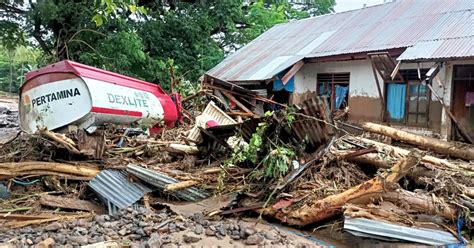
339 78
409 78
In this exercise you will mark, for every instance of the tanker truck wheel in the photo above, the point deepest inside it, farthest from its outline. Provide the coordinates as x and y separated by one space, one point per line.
4 192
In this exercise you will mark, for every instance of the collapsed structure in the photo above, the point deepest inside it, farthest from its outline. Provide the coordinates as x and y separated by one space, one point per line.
280 130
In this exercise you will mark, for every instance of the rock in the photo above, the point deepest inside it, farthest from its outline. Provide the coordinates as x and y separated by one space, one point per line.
180 226
209 232
166 239
235 237
254 239
143 224
148 230
37 240
249 231
270 236
154 241
60 238
140 232
191 237
122 231
198 218
81 222
106 224
222 230
198 229
100 218
80 240
53 226
29 241
80 230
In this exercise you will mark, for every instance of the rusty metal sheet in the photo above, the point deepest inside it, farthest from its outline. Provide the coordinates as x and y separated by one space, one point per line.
314 126
439 49
398 24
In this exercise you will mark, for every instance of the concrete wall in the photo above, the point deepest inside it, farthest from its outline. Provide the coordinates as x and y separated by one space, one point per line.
364 99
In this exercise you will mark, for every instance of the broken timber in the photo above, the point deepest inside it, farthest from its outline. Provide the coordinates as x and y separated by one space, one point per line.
436 145
332 205
10 170
70 203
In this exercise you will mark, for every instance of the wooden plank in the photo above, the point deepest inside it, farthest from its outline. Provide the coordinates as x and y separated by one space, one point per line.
382 101
294 69
237 102
70 203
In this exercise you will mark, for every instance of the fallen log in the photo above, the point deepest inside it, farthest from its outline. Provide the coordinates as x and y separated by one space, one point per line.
70 203
181 149
10 170
181 185
437 162
428 204
463 151
376 161
332 205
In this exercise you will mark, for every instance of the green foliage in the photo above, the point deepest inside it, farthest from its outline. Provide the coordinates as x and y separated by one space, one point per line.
250 152
275 163
14 64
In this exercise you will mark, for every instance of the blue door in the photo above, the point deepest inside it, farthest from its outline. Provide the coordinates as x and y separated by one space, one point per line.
396 94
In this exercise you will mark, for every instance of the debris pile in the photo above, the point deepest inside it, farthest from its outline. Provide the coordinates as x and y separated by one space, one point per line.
293 164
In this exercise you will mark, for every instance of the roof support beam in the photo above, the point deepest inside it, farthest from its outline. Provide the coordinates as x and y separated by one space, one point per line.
294 69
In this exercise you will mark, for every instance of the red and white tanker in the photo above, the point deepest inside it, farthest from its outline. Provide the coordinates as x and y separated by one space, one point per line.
70 93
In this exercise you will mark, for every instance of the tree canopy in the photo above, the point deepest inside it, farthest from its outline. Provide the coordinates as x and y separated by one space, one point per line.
144 38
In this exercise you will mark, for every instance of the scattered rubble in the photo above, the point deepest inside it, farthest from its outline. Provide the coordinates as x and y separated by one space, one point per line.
293 164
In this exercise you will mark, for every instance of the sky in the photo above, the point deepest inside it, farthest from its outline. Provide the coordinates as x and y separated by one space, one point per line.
344 5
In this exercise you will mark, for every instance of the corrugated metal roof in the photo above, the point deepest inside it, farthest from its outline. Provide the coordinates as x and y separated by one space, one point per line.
438 49
114 187
381 229
160 181
392 25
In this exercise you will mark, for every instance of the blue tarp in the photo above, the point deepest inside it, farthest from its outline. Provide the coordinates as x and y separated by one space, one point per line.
396 100
278 84
341 93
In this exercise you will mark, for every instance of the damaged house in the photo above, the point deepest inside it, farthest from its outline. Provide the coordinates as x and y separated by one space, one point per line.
405 63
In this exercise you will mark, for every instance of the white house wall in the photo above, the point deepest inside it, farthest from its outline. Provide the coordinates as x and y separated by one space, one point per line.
364 99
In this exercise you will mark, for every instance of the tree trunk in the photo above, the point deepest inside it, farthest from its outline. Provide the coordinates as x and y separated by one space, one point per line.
438 162
463 151
376 161
332 205
181 185
9 170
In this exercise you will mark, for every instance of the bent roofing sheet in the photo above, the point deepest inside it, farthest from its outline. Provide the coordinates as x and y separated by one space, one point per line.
393 25
114 186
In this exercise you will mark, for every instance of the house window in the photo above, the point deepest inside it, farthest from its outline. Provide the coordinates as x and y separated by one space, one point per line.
336 87
408 102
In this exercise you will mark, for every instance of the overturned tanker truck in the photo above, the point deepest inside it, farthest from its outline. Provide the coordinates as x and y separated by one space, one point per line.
69 93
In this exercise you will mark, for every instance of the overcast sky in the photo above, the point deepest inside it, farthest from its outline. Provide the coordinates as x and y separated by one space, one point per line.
344 5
